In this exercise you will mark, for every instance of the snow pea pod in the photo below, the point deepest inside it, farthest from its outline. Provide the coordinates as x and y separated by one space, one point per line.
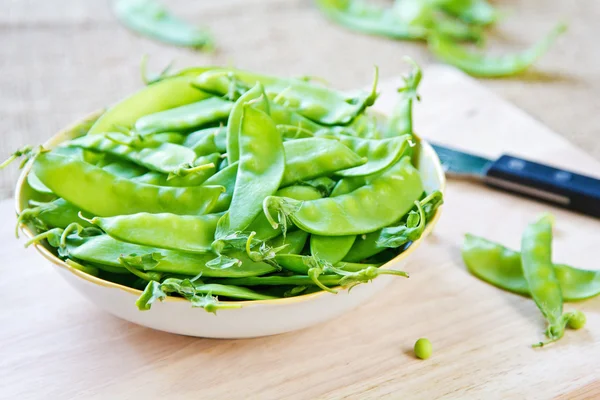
229 291
478 12
376 205
427 15
60 213
314 157
379 153
34 182
298 265
190 233
544 287
192 289
260 168
197 293
234 123
105 250
226 178
203 142
104 194
295 242
351 279
124 169
364 17
56 214
490 66
284 116
152 19
300 192
160 157
262 226
347 185
193 176
399 236
315 102
502 268
400 121
186 117
331 248
323 184
160 96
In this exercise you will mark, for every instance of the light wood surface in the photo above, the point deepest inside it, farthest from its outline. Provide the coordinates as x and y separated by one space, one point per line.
61 59
54 344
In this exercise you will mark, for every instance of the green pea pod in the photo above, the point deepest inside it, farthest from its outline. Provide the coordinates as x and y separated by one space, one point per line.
260 169
489 66
538 270
364 17
400 236
298 264
502 268
105 250
400 121
364 246
186 117
332 249
293 132
262 226
226 178
314 157
104 194
34 182
300 192
323 185
376 205
284 116
162 157
315 102
234 123
379 153
478 12
191 233
152 19
203 142
56 214
198 293
294 242
124 169
347 185
194 176
160 96
349 279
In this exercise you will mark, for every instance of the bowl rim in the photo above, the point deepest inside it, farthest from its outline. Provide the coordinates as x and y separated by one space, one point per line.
65 133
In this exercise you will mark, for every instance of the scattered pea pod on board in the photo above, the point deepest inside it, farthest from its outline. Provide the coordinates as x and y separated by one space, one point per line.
192 188
444 24
150 18
532 273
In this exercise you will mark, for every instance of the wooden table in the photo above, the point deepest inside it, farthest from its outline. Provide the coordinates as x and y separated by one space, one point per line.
54 344
62 59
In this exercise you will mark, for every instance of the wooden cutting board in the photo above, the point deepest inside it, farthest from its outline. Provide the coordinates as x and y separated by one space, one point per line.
54 344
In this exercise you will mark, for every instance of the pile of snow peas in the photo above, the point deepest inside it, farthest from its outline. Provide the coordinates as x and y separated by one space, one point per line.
221 182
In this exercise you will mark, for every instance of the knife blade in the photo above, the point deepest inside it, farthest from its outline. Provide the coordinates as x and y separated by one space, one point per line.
553 185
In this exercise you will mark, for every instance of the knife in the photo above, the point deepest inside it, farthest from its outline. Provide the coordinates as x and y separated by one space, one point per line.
538 181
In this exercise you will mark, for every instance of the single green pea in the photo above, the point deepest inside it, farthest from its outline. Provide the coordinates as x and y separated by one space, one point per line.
423 348
576 320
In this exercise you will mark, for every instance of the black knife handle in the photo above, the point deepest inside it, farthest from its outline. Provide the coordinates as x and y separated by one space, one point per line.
557 186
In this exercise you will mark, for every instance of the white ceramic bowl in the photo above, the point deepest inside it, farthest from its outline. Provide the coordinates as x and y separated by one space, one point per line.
254 318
